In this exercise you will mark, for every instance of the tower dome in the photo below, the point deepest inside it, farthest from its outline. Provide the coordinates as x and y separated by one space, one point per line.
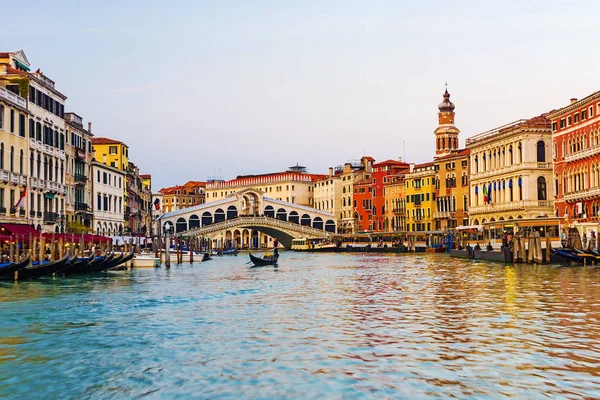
446 105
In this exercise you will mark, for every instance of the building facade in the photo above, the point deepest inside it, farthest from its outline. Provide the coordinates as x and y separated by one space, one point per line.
109 202
190 194
394 191
327 194
511 172
576 153
293 186
40 119
78 178
351 173
420 198
452 190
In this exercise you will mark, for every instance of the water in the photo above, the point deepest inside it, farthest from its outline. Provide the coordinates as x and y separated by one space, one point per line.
321 326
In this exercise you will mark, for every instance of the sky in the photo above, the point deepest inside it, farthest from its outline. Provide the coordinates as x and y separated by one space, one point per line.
199 89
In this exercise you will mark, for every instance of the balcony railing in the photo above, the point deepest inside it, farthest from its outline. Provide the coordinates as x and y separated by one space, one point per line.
7 94
22 212
442 214
399 210
510 206
39 214
583 194
578 155
2 210
80 178
13 210
81 207
32 214
50 217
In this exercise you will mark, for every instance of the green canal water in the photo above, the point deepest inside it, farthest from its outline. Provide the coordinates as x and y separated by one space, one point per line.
321 326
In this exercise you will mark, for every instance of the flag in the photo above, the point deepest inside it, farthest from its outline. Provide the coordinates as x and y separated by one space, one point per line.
21 202
157 203
485 194
490 194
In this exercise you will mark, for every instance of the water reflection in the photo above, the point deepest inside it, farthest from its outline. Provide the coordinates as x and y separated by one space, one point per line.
371 325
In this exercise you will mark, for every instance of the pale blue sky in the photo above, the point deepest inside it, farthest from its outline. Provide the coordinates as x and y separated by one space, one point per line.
194 87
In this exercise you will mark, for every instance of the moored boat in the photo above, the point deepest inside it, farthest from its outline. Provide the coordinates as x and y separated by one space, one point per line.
9 268
40 269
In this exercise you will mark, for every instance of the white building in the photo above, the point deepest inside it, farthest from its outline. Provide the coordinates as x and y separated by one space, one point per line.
107 188
327 194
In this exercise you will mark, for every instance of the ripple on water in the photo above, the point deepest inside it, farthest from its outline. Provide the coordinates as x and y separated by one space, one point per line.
321 326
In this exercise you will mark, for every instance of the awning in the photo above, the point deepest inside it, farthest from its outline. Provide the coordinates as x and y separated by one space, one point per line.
469 227
17 229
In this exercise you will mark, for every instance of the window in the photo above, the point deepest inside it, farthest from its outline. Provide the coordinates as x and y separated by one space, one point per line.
563 123
22 125
541 186
569 121
112 149
12 121
1 117
541 151
583 114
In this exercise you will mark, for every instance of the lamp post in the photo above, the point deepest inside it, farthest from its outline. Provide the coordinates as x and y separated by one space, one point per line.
62 221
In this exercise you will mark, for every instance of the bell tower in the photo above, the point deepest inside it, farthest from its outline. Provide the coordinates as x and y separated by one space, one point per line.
446 134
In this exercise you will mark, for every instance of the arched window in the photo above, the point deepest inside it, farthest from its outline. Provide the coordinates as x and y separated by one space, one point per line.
21 162
12 159
541 151
1 155
541 186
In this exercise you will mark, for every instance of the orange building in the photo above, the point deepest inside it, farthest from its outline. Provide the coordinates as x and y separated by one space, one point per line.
177 197
576 154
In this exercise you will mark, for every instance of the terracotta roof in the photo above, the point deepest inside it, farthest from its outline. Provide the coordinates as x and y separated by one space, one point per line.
314 177
146 176
11 70
103 140
461 152
427 164
4 54
362 182
194 184
390 162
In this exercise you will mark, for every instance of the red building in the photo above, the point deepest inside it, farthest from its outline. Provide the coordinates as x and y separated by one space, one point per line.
369 196
576 153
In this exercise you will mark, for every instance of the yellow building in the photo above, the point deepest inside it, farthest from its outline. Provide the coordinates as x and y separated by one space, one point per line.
420 198
395 203
14 159
111 152
352 172
452 190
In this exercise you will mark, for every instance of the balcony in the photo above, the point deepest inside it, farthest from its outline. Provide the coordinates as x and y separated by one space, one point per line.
39 214
22 212
32 214
399 211
13 210
578 155
36 145
81 207
583 194
442 214
80 178
509 169
511 206
3 210
7 94
50 217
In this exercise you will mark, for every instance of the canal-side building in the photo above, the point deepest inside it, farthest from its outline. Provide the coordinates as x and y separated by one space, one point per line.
14 161
576 150
451 190
108 203
41 120
420 198
511 172
191 193
378 180
78 179
352 172
294 186
394 192
327 193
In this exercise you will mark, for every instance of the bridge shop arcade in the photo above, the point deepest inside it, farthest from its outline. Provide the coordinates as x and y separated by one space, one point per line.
248 220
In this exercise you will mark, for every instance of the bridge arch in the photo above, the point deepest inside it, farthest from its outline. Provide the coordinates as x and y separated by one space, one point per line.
219 215
330 226
305 220
317 223
269 212
232 212
180 225
207 218
293 217
194 222
281 214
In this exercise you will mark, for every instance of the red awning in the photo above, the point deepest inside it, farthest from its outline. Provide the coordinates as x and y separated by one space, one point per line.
17 229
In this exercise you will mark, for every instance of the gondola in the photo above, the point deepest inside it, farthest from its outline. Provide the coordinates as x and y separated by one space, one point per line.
586 255
567 254
100 263
9 268
39 269
122 259
206 257
264 261
78 266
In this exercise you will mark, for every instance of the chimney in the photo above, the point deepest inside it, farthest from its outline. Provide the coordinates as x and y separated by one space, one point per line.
573 100
89 127
400 159
412 167
330 171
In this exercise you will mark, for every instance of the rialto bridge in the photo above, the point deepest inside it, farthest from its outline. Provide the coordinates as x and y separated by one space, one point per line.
249 219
